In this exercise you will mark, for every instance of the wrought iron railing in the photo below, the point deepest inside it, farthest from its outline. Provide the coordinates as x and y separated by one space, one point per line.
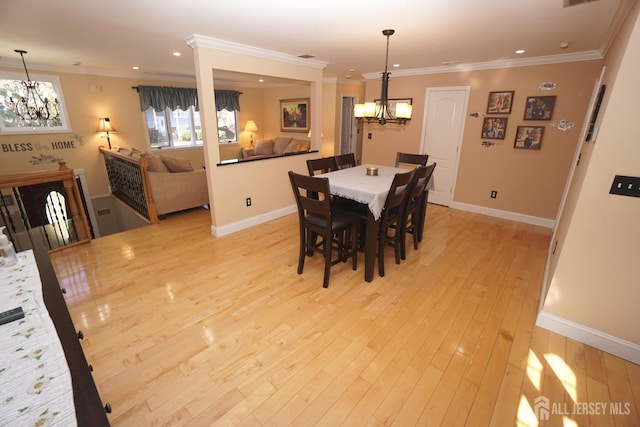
43 209
129 182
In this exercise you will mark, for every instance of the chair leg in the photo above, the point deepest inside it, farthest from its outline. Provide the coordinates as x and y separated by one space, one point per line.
327 261
415 231
354 246
303 249
381 244
403 241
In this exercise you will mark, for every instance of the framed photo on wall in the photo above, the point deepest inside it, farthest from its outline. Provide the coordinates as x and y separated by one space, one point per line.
294 115
539 107
529 137
494 127
500 102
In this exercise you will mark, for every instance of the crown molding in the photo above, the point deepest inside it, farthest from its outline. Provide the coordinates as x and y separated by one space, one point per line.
492 65
72 69
196 40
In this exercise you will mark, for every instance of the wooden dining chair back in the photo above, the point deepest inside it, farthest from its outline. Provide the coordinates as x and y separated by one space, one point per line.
321 165
411 159
391 217
318 166
344 161
322 228
415 209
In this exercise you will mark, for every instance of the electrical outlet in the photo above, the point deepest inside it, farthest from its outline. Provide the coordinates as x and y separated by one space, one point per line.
369 135
494 194
248 201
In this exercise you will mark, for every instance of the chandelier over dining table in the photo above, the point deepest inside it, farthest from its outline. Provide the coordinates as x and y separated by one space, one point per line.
380 109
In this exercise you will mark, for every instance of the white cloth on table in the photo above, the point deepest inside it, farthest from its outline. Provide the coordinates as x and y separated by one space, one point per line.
35 382
355 184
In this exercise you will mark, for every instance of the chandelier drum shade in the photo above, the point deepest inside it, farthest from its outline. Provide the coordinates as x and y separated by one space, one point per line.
32 105
380 109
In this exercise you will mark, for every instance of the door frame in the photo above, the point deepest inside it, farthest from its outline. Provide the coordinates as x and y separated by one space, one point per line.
423 136
346 117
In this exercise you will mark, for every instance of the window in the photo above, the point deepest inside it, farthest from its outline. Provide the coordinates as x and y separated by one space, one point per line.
173 120
227 129
48 87
173 128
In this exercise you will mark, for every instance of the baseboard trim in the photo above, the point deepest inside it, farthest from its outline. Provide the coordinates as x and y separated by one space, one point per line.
513 216
253 221
600 340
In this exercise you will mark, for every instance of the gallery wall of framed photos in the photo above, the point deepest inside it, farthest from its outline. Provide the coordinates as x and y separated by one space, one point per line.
528 136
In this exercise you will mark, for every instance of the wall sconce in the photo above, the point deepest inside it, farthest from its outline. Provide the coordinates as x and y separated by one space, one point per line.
251 127
105 126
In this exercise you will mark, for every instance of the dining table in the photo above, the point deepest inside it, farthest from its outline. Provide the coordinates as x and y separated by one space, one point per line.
368 189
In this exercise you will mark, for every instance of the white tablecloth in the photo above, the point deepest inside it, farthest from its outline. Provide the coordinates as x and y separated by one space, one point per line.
355 184
35 382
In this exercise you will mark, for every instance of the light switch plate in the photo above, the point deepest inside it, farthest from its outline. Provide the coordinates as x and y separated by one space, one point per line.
625 186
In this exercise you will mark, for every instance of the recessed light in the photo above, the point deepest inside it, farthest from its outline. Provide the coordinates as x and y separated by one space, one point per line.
135 67
520 51
396 65
261 80
564 45
176 54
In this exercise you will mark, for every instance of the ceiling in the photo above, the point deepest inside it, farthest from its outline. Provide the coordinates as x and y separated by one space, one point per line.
110 38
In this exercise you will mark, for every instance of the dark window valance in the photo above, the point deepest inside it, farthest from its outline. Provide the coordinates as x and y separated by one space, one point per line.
161 97
227 100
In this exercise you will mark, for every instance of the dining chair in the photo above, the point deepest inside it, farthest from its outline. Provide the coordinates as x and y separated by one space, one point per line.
391 217
336 228
321 165
412 159
343 161
415 209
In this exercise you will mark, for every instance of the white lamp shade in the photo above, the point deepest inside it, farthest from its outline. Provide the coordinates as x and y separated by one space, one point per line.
370 109
251 126
403 110
105 125
358 110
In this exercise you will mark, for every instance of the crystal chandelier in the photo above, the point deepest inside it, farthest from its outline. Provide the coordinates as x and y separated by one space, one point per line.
31 107
380 109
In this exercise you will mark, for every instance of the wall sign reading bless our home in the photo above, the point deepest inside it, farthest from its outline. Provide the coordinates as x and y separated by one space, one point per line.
43 149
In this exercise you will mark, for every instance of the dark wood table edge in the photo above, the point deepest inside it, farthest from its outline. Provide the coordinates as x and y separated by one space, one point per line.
90 410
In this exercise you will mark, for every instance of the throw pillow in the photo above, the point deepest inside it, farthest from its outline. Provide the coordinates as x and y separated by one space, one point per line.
302 145
156 164
264 147
177 164
280 144
292 147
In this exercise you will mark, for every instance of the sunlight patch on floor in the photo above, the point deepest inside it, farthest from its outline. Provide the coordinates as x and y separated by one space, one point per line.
564 373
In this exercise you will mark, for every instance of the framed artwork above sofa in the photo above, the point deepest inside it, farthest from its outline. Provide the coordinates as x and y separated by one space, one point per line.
294 115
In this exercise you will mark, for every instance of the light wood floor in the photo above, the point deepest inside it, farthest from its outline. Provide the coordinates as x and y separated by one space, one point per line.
185 329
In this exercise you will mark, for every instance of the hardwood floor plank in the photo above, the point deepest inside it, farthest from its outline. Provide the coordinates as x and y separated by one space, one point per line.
223 331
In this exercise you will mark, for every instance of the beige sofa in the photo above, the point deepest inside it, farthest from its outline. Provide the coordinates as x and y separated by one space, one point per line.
171 184
275 147
175 184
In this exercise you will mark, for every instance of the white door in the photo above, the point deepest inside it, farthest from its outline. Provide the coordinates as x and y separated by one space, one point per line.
442 137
